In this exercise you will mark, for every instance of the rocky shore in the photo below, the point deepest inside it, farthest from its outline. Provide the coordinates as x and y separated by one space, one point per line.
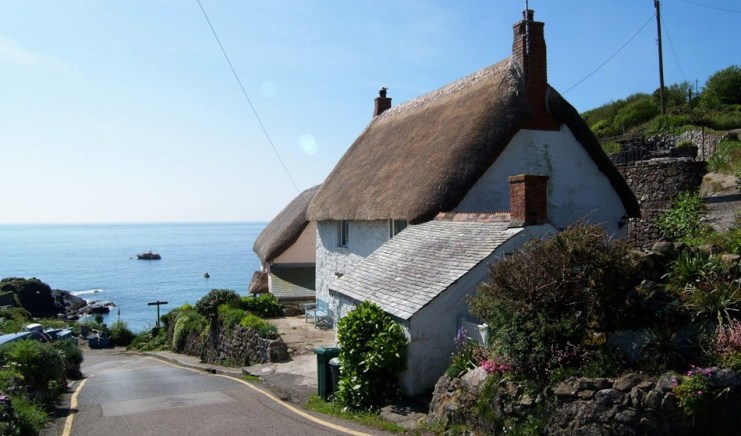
41 301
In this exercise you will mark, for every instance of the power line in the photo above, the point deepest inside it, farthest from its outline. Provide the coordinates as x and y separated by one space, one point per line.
671 44
711 7
244 92
613 55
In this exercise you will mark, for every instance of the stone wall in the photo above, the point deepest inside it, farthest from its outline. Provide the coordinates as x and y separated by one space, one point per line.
633 404
655 183
236 347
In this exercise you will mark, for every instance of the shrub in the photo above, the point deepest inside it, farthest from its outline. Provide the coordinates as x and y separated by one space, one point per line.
690 267
262 305
31 417
154 339
120 334
635 113
187 323
372 353
208 305
714 299
694 391
682 221
72 356
727 156
724 87
551 296
41 367
726 345
264 328
230 316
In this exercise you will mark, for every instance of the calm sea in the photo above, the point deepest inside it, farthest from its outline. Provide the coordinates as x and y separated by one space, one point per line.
98 262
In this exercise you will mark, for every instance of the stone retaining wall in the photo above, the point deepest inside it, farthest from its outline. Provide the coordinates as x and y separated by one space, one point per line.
655 183
633 404
236 347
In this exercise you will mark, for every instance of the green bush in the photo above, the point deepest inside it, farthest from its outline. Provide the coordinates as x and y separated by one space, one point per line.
187 323
264 329
120 334
208 305
723 87
264 305
41 367
31 417
635 113
72 356
372 353
151 340
545 302
727 156
230 316
682 221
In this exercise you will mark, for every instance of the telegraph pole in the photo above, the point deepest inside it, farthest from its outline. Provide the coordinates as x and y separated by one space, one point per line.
657 4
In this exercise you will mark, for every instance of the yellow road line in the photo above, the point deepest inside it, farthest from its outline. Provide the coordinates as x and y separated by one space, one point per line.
72 410
275 399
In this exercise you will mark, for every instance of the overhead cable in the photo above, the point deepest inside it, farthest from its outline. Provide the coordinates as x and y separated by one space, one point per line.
244 92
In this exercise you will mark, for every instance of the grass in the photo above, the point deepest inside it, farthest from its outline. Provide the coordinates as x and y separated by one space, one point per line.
251 378
368 419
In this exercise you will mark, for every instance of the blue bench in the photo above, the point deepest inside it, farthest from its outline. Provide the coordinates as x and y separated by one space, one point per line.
319 312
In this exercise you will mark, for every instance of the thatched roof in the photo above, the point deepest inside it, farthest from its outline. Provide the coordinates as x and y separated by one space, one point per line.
423 156
259 283
285 228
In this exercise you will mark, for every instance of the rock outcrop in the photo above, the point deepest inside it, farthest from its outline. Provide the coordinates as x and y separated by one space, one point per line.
41 301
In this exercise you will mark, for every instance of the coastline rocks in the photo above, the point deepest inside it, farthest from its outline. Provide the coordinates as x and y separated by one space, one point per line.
41 301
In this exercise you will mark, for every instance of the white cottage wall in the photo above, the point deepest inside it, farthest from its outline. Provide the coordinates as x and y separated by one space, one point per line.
577 189
432 330
302 251
363 239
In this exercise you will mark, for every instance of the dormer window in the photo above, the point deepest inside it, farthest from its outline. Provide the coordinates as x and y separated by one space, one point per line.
343 233
395 226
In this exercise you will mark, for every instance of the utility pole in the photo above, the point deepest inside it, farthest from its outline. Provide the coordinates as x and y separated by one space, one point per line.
157 303
657 4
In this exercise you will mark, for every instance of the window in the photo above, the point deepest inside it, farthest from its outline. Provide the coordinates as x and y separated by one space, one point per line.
395 226
343 233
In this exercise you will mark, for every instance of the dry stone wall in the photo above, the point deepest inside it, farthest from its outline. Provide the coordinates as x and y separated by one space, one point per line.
632 404
655 183
236 347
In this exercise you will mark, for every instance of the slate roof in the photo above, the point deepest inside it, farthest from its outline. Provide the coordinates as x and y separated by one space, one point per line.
294 282
415 266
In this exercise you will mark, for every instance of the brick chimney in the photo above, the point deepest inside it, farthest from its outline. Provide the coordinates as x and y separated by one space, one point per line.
382 102
528 49
528 200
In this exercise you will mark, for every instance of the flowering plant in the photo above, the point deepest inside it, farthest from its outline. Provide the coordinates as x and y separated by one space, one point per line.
694 390
727 345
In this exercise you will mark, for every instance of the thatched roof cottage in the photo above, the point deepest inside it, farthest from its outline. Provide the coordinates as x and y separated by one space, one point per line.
287 250
500 139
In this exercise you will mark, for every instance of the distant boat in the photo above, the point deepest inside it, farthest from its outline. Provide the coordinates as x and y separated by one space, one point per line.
149 256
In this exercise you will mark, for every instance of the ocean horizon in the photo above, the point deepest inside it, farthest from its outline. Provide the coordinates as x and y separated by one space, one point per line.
97 261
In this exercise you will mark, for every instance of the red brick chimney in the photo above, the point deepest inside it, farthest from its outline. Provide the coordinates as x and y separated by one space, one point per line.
528 200
529 51
382 102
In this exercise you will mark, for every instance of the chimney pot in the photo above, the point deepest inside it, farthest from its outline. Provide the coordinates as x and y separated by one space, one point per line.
383 103
528 14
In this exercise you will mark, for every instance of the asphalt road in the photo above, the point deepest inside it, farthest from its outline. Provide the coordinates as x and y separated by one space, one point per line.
125 394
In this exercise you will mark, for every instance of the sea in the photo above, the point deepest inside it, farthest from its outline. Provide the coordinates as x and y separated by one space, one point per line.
98 262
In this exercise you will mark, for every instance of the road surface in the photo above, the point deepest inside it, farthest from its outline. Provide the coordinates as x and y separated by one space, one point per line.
128 394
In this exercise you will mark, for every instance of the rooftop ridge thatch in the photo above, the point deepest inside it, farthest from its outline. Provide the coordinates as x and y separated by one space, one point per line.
285 228
422 156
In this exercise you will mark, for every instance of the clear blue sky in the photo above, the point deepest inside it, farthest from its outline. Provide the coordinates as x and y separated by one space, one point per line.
126 110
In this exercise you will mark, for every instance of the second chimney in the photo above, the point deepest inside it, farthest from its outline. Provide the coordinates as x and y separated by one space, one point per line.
528 200
529 50
382 102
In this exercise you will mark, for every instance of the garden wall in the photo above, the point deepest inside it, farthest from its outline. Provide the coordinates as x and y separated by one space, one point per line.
655 183
236 347
629 405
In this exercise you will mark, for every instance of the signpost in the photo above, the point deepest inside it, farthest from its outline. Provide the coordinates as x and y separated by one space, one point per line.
158 304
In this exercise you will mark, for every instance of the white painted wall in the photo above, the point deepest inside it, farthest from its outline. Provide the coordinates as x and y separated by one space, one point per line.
432 330
364 238
577 190
302 251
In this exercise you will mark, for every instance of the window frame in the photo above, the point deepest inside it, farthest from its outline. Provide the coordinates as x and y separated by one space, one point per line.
394 227
343 233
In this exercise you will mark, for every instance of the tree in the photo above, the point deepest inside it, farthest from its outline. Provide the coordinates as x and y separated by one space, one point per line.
723 87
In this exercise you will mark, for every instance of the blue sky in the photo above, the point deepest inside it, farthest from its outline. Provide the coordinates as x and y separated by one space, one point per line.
126 111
